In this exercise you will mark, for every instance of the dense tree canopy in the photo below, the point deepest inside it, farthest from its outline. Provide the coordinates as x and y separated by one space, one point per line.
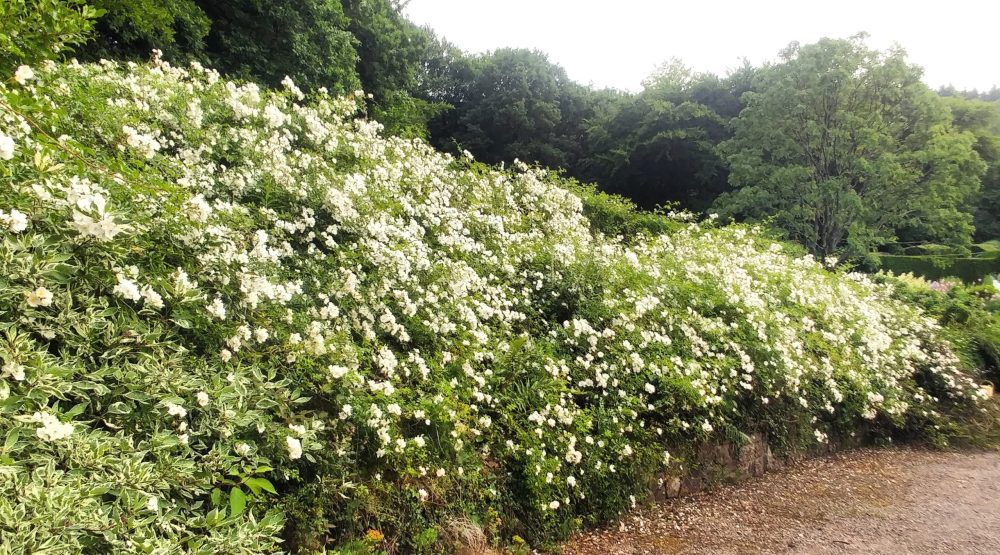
510 104
659 146
132 28
258 39
841 146
982 119
269 39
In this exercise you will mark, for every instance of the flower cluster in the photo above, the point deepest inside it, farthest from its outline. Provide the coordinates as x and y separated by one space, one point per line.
282 298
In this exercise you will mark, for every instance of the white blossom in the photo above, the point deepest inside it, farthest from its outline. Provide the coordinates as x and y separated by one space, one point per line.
16 221
13 369
7 146
39 297
217 309
51 429
23 74
127 288
294 447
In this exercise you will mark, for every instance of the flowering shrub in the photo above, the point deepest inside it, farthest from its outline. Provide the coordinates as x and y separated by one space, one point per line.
968 314
231 316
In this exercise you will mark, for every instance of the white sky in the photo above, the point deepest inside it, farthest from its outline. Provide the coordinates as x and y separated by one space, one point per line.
618 43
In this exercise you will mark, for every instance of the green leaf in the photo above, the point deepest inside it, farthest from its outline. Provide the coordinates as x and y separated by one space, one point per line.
216 497
215 516
136 396
77 409
237 501
119 407
258 484
11 440
60 273
98 491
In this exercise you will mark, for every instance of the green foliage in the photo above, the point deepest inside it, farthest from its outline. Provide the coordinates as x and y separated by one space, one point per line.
617 216
935 249
967 269
342 46
970 315
392 58
267 40
843 147
510 104
982 120
36 30
987 246
659 146
238 320
133 28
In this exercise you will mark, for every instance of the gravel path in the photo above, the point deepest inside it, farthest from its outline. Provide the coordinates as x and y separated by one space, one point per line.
891 501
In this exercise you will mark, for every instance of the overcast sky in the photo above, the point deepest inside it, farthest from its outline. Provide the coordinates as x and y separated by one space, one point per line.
618 43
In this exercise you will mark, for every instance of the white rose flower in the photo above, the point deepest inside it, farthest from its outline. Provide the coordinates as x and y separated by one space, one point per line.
152 298
294 447
217 309
14 370
39 297
127 289
7 147
16 221
52 428
261 335
23 74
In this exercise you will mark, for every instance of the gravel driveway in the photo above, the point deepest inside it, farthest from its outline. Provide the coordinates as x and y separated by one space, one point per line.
891 501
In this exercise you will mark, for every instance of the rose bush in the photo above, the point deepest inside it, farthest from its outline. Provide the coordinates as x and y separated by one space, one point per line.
242 321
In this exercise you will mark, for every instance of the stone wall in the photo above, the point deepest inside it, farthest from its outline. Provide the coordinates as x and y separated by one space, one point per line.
716 463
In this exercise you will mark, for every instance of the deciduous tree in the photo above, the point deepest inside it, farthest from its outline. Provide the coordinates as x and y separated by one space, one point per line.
842 146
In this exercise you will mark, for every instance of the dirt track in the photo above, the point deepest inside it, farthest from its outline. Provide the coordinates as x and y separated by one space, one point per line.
890 501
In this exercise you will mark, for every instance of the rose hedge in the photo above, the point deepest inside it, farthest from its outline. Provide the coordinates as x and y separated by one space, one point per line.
237 320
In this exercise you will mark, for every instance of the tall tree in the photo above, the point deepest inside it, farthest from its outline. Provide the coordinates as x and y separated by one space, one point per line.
393 59
982 119
133 28
511 106
841 146
269 39
659 146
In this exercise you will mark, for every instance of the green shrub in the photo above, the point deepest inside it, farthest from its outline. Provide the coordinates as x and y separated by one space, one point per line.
987 246
969 270
969 314
241 321
36 30
616 216
933 249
